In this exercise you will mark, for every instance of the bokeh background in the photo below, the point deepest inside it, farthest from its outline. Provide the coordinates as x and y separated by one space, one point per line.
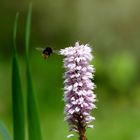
111 27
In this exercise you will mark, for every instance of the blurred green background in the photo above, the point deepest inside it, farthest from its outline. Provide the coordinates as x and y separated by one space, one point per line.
111 27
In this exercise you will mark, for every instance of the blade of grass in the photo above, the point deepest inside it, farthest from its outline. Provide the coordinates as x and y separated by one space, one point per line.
28 29
34 130
17 97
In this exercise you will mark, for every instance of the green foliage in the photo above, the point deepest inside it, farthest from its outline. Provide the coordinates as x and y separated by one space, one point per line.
122 72
17 97
34 131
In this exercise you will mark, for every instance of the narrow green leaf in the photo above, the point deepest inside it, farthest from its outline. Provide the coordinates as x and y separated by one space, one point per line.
15 32
28 29
17 97
34 130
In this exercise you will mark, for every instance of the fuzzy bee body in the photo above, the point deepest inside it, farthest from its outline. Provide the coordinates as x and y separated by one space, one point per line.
46 52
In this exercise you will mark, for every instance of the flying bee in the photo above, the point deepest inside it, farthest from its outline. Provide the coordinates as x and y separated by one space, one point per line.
46 52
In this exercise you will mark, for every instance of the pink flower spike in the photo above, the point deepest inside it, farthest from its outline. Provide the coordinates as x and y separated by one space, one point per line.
79 96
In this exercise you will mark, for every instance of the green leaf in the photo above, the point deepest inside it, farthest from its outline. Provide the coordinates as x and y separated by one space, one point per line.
17 97
34 130
28 29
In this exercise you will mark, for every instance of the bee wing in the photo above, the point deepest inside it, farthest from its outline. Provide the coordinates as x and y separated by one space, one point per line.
40 49
56 52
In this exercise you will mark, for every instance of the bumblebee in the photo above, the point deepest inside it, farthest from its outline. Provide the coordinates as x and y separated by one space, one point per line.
46 52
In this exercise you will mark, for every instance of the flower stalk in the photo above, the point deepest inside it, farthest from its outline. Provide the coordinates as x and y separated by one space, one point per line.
78 91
